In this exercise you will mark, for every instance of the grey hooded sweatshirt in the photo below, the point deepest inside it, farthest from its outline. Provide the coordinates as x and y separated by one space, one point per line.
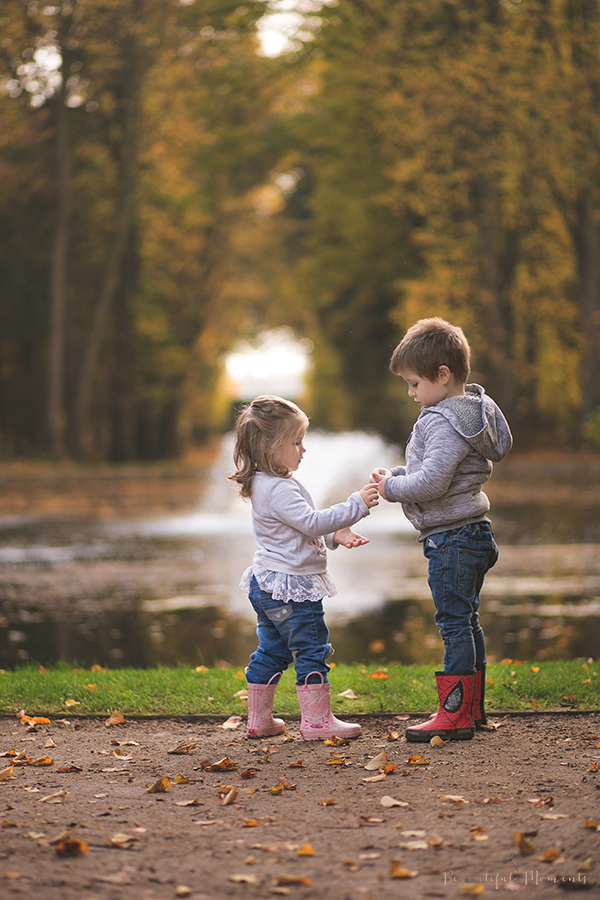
449 457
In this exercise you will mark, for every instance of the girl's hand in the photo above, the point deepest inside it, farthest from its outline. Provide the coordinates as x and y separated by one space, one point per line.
348 538
378 475
370 495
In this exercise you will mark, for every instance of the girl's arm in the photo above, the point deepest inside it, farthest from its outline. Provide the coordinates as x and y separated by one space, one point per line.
290 506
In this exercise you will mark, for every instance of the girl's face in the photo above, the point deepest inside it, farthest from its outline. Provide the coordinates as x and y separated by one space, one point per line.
289 454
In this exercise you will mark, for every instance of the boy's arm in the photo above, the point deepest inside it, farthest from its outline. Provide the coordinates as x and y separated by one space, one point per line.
444 449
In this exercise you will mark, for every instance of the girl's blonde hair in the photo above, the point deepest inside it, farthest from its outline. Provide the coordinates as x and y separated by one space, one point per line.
261 427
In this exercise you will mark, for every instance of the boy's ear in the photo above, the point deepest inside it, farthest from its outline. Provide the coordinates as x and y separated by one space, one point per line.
444 374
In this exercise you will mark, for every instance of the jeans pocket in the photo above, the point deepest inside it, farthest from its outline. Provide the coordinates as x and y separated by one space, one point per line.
472 566
278 614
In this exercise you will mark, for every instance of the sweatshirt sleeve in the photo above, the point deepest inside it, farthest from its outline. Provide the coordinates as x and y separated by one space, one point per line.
291 507
444 450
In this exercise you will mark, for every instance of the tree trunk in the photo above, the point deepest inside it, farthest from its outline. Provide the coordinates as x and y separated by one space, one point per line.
59 278
587 247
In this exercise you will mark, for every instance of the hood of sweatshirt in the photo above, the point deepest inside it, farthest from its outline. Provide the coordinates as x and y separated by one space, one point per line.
478 420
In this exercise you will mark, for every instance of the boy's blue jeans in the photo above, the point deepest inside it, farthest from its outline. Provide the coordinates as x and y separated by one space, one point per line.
286 630
458 562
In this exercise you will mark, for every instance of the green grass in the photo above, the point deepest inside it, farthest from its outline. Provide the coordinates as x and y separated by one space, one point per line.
178 691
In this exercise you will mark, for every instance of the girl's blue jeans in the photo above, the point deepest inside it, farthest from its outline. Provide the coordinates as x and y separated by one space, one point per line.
458 562
285 631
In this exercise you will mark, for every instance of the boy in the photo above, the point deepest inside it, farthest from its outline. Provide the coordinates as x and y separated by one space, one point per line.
449 455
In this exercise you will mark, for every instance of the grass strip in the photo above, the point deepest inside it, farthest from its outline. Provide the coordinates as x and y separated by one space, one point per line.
511 685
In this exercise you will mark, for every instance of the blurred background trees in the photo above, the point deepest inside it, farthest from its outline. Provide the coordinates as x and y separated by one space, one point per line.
166 188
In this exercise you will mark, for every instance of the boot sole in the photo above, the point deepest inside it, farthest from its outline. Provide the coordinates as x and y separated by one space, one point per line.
327 735
459 734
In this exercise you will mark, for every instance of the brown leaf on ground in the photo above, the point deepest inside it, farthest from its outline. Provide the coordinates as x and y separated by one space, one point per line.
230 797
297 765
281 880
181 779
417 759
306 850
125 876
71 768
437 741
591 823
378 762
223 765
232 722
57 797
6 773
330 801
161 786
397 870
249 773
551 855
388 802
277 789
250 823
117 718
194 802
122 841
244 879
287 785
335 741
184 747
393 736
71 847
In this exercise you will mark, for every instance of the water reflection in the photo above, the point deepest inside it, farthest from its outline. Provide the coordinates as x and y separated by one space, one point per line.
166 591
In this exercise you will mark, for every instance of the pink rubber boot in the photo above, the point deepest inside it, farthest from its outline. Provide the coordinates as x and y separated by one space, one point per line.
454 719
260 710
318 722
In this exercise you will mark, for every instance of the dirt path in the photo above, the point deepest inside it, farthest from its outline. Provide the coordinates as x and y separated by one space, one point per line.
453 828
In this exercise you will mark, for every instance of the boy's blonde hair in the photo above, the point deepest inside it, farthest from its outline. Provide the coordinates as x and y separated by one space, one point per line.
429 344
261 427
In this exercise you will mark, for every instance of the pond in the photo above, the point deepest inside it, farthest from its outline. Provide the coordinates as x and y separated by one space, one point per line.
164 589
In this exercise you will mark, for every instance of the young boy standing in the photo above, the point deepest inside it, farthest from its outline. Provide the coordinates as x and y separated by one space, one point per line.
460 432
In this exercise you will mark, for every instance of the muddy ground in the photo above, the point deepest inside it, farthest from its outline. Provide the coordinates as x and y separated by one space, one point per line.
223 833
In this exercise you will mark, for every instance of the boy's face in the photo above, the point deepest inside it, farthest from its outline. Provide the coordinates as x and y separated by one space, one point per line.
429 393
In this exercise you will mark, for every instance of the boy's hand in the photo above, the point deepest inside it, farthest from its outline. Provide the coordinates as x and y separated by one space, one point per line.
348 538
370 495
378 474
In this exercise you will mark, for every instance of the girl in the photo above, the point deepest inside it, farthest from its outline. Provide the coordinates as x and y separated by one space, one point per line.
288 579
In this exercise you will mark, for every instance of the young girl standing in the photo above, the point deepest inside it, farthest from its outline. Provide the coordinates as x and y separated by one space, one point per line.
288 579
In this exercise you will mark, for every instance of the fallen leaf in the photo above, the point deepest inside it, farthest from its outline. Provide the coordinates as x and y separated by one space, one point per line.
91 687
6 773
97 668
472 890
375 778
437 741
393 736
244 879
587 865
159 787
223 765
117 718
551 855
125 876
380 673
230 797
369 856
457 799
417 760
276 790
388 802
306 850
554 816
71 847
250 823
297 765
184 747
194 802
182 890
378 762
288 786
397 870
336 741
593 767
391 767
121 754
524 845
233 722
72 703
329 802
181 779
202 669
249 773
122 841
71 768
478 833
290 879
58 797
348 695
49 745
591 823
413 845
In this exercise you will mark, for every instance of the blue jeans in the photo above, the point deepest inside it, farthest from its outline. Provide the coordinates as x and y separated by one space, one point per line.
458 562
286 630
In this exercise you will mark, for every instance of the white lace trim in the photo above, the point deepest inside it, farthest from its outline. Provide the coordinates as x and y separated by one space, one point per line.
289 587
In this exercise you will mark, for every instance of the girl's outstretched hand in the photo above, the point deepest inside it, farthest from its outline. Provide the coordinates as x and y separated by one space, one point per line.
378 475
348 538
370 495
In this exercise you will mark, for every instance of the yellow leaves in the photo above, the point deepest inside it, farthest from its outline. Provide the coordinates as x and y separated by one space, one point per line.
181 779
330 801
591 823
397 870
593 767
379 673
550 856
276 790
42 761
535 669
456 799
32 720
437 741
72 703
300 764
472 890
56 798
233 722
523 842
478 833
417 759
250 823
202 670
161 786
249 773
91 687
6 773
244 879
97 668
335 741
228 794
306 850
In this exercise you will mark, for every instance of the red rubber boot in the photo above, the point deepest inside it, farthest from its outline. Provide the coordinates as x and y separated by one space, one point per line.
479 716
260 710
453 721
